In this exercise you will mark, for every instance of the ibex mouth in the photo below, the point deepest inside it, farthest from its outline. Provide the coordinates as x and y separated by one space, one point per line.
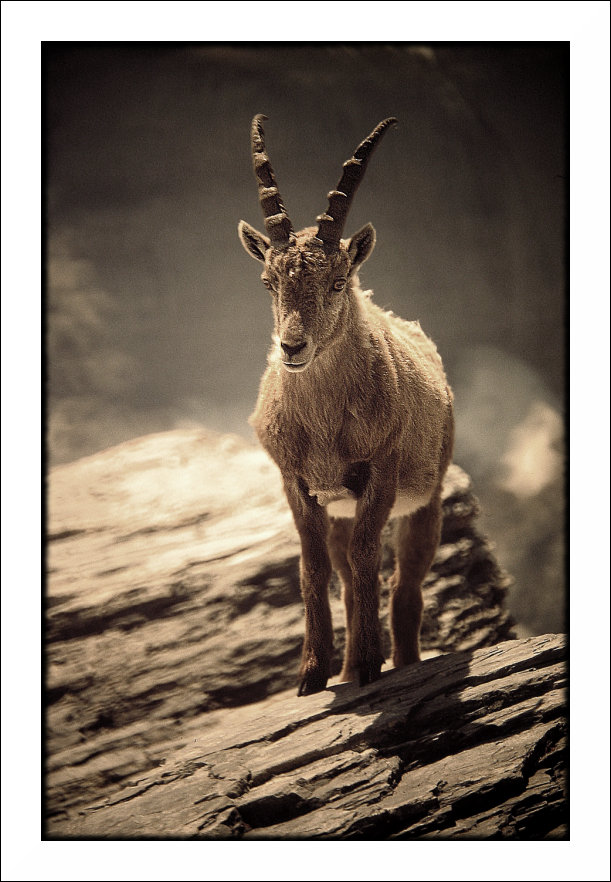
295 366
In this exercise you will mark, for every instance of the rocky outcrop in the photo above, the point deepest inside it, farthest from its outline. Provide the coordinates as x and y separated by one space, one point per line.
468 745
174 618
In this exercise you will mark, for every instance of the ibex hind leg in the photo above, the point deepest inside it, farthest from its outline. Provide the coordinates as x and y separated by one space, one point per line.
339 540
417 538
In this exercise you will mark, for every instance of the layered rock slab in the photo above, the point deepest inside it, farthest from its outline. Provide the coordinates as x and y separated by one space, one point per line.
466 745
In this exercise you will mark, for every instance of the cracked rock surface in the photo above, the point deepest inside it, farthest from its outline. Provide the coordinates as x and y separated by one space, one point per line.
174 627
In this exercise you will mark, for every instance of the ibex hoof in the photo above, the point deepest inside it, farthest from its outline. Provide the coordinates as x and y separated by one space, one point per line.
311 682
369 672
404 657
369 666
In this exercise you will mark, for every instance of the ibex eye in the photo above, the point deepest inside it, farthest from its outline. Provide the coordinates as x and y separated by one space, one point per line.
268 284
339 284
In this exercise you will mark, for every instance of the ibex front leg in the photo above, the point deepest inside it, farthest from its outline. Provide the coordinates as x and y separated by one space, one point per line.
315 570
372 512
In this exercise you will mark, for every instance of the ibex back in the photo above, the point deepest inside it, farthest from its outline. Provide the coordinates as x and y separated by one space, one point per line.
355 410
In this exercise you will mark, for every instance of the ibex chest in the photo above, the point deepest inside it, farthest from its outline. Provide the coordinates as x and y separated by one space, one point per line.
325 456
335 465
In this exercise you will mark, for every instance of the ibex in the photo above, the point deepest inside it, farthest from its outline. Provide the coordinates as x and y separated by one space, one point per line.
355 410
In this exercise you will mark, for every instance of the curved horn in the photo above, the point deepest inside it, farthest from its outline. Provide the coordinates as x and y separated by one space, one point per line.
277 221
331 223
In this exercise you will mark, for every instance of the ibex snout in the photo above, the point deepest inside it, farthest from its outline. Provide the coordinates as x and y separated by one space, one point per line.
296 353
295 345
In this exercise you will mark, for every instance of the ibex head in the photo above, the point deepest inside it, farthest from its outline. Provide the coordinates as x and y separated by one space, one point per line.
308 272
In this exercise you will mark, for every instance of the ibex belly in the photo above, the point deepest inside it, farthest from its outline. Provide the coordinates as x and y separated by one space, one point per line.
341 503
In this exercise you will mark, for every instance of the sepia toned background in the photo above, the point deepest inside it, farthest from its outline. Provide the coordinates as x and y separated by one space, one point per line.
156 318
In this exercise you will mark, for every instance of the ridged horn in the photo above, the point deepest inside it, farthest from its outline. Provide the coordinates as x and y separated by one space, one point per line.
331 223
277 221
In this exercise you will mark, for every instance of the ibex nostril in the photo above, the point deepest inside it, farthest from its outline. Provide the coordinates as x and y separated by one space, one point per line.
293 350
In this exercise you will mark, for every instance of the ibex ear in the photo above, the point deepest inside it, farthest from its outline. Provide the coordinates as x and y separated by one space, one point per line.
253 241
361 245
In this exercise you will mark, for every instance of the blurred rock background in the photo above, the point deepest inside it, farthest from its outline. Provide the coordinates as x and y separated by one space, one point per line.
156 318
